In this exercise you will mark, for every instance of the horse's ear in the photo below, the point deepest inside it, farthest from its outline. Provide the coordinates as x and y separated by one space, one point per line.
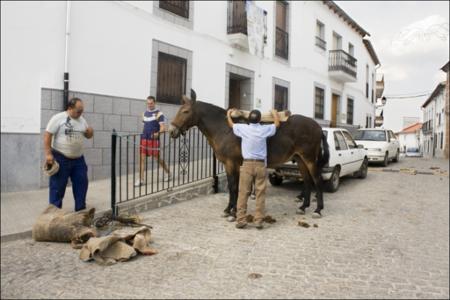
193 96
185 100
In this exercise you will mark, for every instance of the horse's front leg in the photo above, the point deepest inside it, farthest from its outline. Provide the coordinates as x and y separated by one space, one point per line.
233 186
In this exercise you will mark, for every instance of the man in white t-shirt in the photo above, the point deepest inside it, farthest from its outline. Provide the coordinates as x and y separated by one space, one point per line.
63 142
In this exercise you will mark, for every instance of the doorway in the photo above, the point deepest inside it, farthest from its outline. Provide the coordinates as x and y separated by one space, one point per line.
239 92
335 99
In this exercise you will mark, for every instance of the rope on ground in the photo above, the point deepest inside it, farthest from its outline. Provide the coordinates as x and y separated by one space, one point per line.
124 219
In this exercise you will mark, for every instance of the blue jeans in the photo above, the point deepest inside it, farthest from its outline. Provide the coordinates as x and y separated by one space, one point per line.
76 169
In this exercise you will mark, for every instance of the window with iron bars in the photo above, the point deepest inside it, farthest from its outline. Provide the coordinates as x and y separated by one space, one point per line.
180 8
319 100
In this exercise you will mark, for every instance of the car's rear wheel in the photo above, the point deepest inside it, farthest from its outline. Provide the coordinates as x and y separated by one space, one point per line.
275 180
397 156
363 171
386 160
332 185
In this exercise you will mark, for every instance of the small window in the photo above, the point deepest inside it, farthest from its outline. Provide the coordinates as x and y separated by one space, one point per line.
319 103
442 140
320 35
350 104
281 98
171 78
350 142
180 8
351 49
337 41
281 30
339 141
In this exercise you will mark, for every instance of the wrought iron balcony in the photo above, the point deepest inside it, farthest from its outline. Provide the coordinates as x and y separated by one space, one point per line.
342 66
322 44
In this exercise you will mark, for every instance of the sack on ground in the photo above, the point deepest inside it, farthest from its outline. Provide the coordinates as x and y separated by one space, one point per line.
121 245
57 225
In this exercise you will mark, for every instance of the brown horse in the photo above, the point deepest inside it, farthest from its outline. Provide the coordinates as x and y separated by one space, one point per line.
299 138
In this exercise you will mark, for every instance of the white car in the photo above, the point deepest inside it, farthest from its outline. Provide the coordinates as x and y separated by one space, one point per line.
381 144
413 152
346 158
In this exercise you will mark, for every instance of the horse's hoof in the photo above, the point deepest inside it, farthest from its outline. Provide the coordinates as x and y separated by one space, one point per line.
316 215
231 219
297 199
225 214
300 211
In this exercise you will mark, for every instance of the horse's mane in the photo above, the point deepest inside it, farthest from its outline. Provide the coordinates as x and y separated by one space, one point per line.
209 108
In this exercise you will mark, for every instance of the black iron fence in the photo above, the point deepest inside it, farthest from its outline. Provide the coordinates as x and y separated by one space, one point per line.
339 60
187 159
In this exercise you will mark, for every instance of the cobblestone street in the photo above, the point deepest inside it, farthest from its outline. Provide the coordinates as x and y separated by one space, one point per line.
386 236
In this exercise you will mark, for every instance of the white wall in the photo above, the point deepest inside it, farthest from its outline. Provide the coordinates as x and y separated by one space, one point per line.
408 140
32 56
111 47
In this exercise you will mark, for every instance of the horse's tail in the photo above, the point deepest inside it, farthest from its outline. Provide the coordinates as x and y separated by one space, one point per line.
324 154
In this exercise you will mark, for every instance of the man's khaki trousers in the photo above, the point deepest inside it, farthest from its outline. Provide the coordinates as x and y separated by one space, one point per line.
251 171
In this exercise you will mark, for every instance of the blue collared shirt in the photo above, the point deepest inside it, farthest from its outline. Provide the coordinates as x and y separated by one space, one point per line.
254 139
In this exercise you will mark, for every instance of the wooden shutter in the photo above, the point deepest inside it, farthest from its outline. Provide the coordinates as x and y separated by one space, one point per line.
171 78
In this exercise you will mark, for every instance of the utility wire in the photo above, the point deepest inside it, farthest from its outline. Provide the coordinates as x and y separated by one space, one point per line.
406 97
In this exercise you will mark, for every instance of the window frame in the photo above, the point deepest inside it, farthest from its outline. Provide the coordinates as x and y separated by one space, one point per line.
322 104
161 98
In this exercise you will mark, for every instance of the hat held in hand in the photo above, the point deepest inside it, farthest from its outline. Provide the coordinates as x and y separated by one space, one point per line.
51 169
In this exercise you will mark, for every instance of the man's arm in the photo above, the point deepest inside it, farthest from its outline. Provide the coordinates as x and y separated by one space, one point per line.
48 147
229 120
276 118
89 133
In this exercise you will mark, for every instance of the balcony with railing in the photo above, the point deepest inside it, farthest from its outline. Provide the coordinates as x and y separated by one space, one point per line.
237 24
342 66
322 44
380 87
281 43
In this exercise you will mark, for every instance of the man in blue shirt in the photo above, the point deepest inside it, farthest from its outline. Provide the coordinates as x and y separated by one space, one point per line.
153 120
253 169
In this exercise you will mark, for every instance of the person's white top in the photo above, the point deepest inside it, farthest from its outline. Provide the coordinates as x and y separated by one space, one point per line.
67 134
254 137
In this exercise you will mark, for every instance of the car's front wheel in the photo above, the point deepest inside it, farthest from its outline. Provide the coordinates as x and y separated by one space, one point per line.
332 185
386 160
275 180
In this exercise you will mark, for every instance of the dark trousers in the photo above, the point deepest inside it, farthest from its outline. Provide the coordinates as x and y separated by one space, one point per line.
76 169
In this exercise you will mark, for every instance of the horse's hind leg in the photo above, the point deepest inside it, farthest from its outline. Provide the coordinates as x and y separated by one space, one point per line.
318 183
307 186
233 186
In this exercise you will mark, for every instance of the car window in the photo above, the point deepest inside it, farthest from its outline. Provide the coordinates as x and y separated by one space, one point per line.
370 135
339 141
350 142
392 135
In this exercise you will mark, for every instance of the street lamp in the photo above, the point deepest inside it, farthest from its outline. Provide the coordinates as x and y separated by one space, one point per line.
383 100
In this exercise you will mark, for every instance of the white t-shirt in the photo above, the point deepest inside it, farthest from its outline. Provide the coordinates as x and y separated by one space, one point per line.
68 134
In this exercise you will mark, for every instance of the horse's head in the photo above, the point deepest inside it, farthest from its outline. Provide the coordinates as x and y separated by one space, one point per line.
185 117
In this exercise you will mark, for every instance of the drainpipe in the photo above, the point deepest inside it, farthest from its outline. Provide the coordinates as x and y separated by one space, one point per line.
66 57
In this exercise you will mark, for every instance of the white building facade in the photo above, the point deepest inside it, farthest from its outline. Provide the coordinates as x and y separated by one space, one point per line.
317 62
433 127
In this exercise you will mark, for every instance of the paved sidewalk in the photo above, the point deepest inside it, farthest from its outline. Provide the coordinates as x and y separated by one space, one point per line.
386 236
